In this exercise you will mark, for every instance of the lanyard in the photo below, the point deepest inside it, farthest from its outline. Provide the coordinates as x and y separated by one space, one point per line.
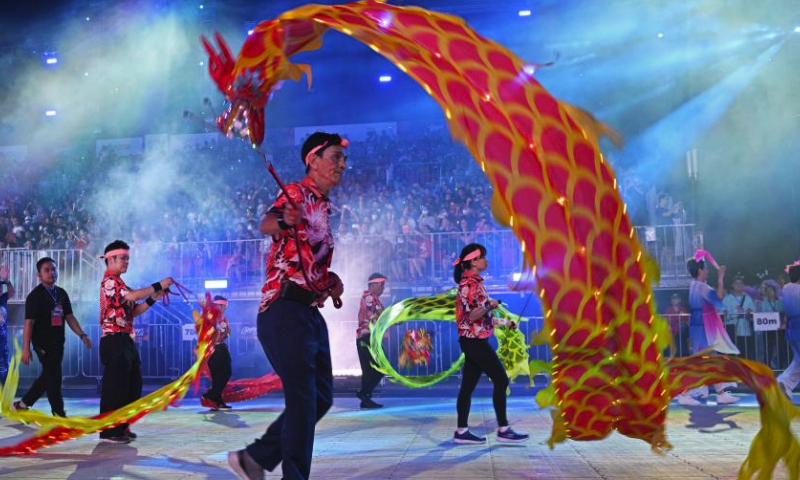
53 294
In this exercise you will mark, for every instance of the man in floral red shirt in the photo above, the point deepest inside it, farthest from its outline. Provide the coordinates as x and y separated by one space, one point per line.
368 312
291 329
122 374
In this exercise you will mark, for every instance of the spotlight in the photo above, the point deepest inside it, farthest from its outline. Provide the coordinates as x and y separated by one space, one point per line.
50 113
529 69
250 32
51 61
660 35
216 284
524 13
385 78
797 29
202 63
201 6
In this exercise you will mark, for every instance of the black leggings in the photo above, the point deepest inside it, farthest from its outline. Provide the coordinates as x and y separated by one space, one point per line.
480 358
219 365
370 378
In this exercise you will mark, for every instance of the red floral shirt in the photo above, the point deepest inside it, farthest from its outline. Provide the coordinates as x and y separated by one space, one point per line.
223 331
315 239
116 314
472 294
368 312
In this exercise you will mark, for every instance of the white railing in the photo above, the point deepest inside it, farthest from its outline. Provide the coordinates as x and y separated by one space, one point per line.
418 259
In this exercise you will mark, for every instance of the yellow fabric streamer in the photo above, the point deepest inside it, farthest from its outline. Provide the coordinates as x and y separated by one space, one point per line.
58 429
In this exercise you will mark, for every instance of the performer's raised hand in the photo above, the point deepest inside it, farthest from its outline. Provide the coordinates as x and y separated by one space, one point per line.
337 289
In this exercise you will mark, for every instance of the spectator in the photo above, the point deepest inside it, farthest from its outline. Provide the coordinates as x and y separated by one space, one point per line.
678 319
773 342
739 308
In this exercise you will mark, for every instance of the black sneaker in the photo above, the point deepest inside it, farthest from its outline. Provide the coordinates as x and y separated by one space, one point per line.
19 406
130 434
468 438
244 466
510 436
224 406
368 403
60 414
117 439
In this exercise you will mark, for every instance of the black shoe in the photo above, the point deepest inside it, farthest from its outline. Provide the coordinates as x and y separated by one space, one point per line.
468 438
510 436
368 403
244 466
61 414
130 434
117 439
224 406
361 396
17 406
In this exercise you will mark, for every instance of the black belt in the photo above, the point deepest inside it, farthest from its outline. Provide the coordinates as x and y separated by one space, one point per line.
292 291
111 334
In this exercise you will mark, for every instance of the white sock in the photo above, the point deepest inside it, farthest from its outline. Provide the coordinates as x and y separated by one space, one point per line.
502 429
462 431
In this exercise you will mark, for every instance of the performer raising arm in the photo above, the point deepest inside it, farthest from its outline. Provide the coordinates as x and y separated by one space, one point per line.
290 327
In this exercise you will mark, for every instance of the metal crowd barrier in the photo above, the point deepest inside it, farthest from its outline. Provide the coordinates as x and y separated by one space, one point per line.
76 270
407 259
768 347
671 246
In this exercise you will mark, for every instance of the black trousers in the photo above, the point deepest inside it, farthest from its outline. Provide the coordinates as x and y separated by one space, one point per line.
220 366
49 381
370 378
122 377
4 359
481 358
295 339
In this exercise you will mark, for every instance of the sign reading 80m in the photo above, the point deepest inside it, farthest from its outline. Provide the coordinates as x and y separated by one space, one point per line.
766 321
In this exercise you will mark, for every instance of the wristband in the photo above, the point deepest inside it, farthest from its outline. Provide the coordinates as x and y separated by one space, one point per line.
282 223
150 301
82 336
156 287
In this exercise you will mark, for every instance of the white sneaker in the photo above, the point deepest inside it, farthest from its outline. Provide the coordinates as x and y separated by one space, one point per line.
687 400
725 398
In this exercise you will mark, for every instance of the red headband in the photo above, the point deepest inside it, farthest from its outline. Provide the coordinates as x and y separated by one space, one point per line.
470 256
113 253
377 280
344 143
